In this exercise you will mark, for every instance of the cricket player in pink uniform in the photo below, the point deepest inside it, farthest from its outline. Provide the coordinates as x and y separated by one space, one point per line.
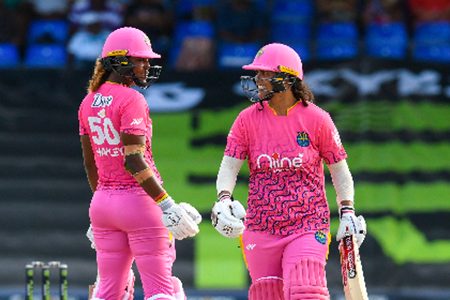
133 218
285 139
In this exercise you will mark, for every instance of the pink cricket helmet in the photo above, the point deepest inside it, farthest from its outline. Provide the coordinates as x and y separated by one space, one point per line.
128 41
277 57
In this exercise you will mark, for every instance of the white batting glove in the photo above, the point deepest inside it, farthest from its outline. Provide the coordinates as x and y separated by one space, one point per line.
351 225
177 220
90 236
192 212
227 217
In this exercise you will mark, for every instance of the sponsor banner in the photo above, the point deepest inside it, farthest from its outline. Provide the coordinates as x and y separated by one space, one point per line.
182 91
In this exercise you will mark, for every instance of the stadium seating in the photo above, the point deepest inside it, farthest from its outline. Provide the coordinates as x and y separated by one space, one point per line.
293 10
431 42
48 32
9 55
337 41
45 56
183 30
232 55
389 40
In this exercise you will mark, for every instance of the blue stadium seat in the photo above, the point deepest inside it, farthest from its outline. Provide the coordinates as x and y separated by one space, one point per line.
432 53
194 28
189 29
48 31
236 55
432 42
337 41
46 56
290 31
9 55
432 32
388 40
303 49
289 10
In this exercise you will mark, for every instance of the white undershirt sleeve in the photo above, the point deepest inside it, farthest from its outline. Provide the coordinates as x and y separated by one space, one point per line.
227 176
342 181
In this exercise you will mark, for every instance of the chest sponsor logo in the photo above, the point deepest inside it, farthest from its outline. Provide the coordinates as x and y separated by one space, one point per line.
303 139
101 101
275 161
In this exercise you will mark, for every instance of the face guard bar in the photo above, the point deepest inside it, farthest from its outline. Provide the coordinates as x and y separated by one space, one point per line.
277 82
122 66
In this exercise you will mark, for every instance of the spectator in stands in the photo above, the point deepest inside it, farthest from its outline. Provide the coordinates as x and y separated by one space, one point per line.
86 44
50 9
429 10
288 218
109 12
241 21
155 18
199 10
384 11
133 217
337 10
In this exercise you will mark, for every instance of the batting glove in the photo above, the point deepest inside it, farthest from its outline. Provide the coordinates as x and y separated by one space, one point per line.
351 225
177 220
227 217
90 236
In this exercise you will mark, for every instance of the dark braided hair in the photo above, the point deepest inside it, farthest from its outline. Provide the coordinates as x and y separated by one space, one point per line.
302 92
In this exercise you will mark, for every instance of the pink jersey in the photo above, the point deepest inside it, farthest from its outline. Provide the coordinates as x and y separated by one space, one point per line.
285 157
103 115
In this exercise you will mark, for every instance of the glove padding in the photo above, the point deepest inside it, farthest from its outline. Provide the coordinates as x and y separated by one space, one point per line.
227 217
179 222
192 212
351 225
90 236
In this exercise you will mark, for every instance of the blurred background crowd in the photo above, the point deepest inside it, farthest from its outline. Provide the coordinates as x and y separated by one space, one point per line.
208 34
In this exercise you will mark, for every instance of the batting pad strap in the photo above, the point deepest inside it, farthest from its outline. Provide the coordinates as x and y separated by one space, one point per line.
134 149
143 175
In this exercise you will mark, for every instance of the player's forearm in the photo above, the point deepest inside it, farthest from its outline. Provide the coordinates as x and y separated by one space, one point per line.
92 177
343 183
227 175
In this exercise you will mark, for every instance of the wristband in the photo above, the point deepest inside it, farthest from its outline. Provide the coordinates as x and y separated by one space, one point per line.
224 195
167 203
346 210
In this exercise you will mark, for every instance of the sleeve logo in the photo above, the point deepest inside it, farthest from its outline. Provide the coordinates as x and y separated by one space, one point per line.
137 121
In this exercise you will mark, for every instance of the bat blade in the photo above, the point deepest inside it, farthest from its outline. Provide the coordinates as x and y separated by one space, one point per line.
351 269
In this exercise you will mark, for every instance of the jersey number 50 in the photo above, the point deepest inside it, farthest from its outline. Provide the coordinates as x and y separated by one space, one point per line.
104 130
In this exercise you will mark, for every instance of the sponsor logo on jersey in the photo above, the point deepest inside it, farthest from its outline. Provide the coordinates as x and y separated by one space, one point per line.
303 139
321 237
250 246
137 121
275 161
337 138
101 101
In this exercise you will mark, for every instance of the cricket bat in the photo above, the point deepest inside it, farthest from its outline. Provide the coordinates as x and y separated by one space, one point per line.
351 269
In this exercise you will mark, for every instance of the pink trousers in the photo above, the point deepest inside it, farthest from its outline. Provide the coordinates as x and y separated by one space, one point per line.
127 226
275 256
